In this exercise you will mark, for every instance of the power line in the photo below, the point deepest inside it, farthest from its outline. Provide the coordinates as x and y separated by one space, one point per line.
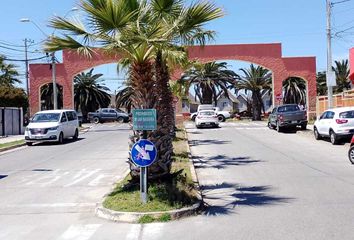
13 49
23 60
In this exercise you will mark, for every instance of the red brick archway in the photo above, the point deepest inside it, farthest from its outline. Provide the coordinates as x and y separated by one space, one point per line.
266 55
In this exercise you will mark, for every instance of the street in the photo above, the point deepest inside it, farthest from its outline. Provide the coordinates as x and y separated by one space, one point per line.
256 183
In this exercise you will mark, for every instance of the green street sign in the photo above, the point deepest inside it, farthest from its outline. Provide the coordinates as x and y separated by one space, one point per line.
144 119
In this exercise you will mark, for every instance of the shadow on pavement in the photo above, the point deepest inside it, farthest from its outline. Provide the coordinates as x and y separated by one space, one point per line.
207 142
66 141
222 161
224 198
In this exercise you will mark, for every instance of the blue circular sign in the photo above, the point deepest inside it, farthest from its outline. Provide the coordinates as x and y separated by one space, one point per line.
143 153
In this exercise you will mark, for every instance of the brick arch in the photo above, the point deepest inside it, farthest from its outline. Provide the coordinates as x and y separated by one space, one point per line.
267 55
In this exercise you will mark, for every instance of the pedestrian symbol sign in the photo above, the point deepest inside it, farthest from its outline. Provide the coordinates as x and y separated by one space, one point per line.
143 153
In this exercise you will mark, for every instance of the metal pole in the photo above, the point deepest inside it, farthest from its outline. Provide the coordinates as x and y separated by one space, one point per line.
329 53
26 62
55 90
143 179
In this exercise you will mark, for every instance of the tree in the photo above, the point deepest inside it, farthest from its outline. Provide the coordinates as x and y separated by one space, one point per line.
342 76
148 36
294 91
209 80
321 83
256 80
47 96
90 93
8 73
13 97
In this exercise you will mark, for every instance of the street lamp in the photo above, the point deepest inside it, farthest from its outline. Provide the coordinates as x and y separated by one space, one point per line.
55 90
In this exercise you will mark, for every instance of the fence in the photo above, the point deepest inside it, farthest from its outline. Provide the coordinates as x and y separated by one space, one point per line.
11 121
344 99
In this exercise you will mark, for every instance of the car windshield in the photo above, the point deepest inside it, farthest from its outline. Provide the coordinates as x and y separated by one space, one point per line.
348 114
208 113
288 108
46 117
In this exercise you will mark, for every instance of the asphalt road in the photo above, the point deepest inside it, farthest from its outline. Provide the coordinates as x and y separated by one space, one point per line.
257 184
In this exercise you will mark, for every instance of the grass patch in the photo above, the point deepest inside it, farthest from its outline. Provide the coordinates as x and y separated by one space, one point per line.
172 192
146 219
11 144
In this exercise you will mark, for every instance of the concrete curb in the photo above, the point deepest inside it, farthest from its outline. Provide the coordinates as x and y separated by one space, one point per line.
12 147
133 217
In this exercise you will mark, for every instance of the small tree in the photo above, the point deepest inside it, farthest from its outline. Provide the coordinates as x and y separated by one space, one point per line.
13 97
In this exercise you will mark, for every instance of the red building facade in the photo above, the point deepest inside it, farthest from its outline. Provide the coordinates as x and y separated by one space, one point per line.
266 55
351 59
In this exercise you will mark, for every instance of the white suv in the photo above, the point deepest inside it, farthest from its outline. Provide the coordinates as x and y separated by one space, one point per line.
52 126
335 123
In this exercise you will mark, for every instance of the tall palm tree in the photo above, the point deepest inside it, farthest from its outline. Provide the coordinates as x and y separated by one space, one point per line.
341 69
294 91
47 96
8 73
321 83
255 80
209 80
148 35
90 93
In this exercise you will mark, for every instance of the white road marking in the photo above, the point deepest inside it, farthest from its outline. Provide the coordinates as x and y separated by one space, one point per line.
79 232
96 181
48 205
86 173
134 232
152 231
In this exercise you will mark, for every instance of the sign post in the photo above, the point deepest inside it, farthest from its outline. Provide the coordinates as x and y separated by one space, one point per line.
144 152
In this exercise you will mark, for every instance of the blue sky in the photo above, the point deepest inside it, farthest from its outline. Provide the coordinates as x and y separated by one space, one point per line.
299 25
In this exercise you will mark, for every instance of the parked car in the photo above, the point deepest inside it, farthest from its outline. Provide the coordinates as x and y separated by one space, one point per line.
336 123
206 118
287 115
222 115
52 126
351 151
108 114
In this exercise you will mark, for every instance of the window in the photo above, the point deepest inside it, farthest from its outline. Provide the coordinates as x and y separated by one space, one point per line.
112 111
105 110
274 110
225 104
289 108
328 115
63 118
348 114
70 116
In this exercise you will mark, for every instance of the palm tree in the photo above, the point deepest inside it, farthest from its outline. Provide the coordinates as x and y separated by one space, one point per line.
209 80
342 76
47 96
321 83
8 73
90 93
147 35
294 91
256 80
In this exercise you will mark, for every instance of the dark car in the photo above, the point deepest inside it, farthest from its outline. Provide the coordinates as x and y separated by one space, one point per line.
108 114
287 115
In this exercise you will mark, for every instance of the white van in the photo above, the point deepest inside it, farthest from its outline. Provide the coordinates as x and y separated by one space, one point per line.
52 126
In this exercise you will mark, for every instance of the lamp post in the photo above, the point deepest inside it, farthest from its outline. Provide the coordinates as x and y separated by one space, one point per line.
53 60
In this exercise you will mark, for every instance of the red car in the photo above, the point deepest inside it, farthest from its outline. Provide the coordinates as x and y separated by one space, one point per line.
351 151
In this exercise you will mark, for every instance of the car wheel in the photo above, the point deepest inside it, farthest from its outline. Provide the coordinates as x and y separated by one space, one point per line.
193 118
270 125
221 118
29 143
120 119
351 154
61 138
96 120
278 127
76 135
333 137
303 126
317 135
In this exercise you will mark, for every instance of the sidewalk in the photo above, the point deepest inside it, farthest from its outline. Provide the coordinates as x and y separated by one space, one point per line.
11 138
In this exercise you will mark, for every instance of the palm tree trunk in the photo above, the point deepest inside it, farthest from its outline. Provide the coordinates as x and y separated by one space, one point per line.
162 137
256 116
207 96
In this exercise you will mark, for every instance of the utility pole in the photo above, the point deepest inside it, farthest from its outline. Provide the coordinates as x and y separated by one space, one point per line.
55 90
26 63
329 75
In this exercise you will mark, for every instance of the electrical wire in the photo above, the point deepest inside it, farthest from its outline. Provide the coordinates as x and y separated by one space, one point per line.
24 60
